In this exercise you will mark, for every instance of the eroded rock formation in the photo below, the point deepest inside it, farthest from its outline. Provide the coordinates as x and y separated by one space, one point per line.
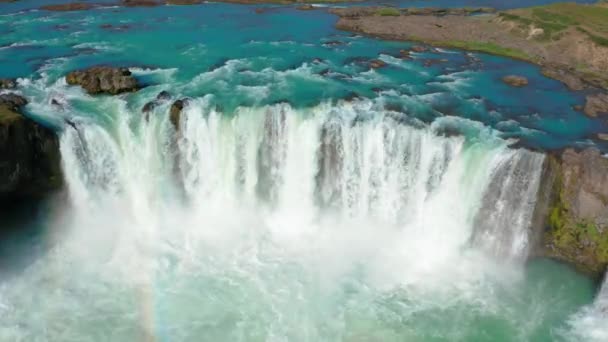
103 79
575 200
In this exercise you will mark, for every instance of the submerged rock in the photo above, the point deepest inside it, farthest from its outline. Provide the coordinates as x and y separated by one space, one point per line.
29 153
306 7
141 3
515 81
376 64
596 104
103 79
576 211
75 6
184 2
419 48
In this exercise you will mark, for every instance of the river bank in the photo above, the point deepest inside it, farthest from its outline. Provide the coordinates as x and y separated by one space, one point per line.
569 41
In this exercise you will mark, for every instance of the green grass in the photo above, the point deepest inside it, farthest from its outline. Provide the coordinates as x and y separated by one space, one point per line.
595 38
488 48
7 115
386 12
555 19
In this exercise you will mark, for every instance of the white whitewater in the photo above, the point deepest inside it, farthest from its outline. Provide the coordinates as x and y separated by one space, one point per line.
268 217
591 323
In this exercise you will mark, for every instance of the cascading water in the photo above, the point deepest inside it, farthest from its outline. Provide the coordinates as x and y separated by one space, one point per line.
274 223
503 221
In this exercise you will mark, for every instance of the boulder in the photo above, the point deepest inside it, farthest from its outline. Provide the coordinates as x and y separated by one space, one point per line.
7 83
405 54
161 97
577 214
175 112
515 81
419 48
30 162
376 64
103 79
596 104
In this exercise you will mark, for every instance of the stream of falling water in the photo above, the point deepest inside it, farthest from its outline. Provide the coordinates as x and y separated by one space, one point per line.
276 224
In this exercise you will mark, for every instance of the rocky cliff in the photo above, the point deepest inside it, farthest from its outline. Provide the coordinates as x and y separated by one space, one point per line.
29 153
573 202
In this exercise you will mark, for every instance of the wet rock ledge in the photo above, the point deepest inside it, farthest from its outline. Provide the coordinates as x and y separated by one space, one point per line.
103 80
30 161
573 209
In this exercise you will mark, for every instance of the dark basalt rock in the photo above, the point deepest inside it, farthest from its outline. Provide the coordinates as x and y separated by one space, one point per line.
596 104
7 83
30 163
515 81
175 112
148 107
102 79
160 98
163 96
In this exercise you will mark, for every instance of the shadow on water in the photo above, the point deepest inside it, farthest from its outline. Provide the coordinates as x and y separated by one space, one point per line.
24 226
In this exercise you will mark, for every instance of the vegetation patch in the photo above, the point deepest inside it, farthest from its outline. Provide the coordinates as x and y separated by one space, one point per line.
490 48
595 38
388 12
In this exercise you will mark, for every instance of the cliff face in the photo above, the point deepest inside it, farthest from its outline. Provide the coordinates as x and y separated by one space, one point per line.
29 154
576 209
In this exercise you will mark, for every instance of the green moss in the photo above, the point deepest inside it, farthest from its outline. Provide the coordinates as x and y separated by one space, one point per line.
388 11
7 115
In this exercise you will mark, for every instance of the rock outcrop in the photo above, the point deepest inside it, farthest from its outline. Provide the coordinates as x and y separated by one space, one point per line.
576 211
160 98
175 112
7 83
103 79
596 104
30 163
515 81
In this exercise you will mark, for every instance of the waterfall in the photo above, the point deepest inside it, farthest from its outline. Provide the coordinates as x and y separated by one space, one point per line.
272 221
502 223
347 160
